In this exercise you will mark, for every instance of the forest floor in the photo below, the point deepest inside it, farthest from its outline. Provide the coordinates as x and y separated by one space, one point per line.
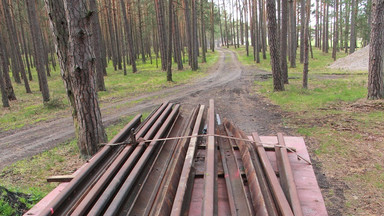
230 83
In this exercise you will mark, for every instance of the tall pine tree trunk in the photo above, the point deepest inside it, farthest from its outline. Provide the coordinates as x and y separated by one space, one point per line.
128 37
306 44
70 23
246 27
278 82
38 47
336 31
7 80
293 46
353 27
283 40
24 44
161 33
346 34
97 46
263 28
169 48
195 45
212 46
3 91
141 31
376 52
302 24
203 41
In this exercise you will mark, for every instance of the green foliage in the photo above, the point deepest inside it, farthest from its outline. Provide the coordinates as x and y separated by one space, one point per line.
5 208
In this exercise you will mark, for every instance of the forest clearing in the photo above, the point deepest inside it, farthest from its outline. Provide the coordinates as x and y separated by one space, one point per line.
78 71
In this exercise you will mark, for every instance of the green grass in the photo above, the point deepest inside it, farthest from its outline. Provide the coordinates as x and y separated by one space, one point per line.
346 127
29 108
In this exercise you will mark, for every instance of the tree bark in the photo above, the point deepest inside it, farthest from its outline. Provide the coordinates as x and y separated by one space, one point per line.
278 82
97 42
116 26
176 35
306 44
4 95
112 42
263 28
246 27
203 46
212 27
195 45
347 6
161 33
24 44
128 37
317 26
293 44
7 80
302 24
353 28
226 25
376 52
169 48
336 31
256 35
17 60
141 31
70 23
38 48
283 40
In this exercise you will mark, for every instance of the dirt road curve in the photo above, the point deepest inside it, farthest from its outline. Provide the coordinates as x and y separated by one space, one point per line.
229 83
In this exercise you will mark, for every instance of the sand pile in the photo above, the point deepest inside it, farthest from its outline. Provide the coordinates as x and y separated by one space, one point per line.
357 61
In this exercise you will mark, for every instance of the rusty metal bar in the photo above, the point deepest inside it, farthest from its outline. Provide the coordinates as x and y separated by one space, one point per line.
210 177
130 180
239 204
90 198
146 195
179 204
274 185
115 184
87 175
258 201
168 188
286 178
